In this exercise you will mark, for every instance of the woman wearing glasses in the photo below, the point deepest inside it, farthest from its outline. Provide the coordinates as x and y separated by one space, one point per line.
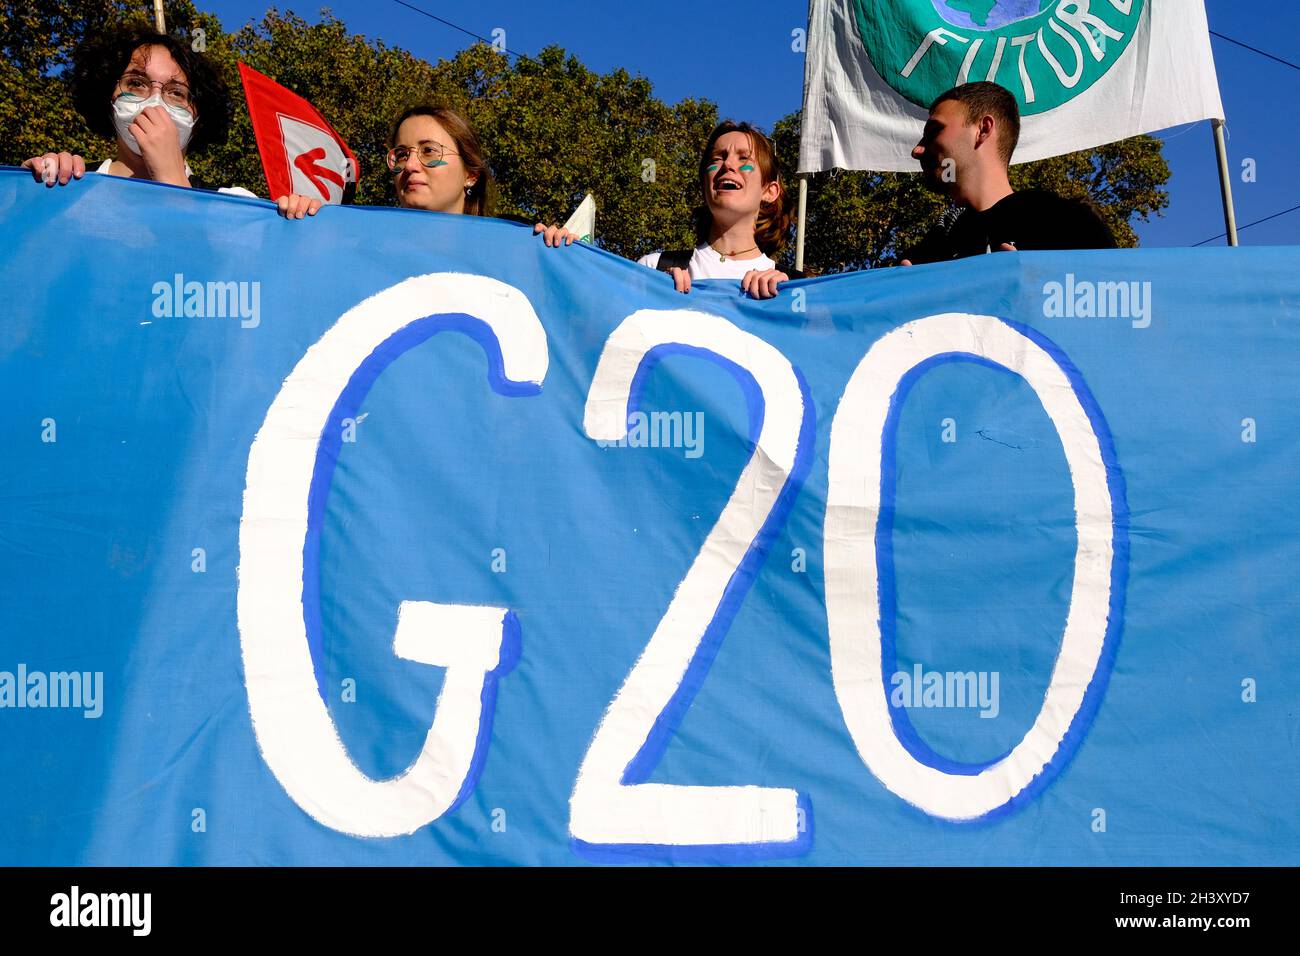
437 162
155 96
438 165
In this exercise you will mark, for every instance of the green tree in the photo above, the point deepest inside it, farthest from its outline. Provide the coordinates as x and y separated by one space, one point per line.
37 41
556 130
366 85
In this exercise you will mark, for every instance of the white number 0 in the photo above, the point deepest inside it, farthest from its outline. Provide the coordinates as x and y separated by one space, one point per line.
853 508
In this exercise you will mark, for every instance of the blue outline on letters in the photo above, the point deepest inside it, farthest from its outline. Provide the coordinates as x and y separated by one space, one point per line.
647 758
322 479
887 591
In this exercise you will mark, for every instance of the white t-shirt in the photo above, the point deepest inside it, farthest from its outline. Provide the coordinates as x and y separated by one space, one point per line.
707 264
232 190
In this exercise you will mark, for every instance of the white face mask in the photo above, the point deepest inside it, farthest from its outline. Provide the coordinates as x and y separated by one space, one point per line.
127 107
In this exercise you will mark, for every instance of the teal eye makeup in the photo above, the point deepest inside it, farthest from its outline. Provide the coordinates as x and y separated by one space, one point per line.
747 168
713 168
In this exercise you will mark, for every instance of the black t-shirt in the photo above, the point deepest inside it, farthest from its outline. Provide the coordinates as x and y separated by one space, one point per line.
1032 219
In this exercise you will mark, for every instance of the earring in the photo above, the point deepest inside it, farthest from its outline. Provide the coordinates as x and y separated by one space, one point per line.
469 190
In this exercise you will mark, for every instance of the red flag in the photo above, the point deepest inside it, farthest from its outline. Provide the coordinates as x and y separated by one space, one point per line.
301 152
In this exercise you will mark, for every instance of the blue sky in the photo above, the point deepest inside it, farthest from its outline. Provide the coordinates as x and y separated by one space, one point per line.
741 58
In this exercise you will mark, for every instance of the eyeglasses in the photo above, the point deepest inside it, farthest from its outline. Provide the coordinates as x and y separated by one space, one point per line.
429 154
137 84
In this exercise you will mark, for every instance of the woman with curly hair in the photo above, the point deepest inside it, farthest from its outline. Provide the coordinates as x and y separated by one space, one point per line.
155 96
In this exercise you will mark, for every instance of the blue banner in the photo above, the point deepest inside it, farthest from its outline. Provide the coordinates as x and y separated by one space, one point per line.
396 538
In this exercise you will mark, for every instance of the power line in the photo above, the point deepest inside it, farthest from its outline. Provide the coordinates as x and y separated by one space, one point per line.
1275 59
470 33
456 26
1223 235
1247 46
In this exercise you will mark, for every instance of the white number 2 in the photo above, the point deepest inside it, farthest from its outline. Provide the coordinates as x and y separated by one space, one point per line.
610 805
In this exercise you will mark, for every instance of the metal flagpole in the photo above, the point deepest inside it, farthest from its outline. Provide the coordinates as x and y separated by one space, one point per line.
158 20
1225 183
803 209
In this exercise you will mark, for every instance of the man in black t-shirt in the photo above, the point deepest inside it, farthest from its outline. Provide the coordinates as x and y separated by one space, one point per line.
964 153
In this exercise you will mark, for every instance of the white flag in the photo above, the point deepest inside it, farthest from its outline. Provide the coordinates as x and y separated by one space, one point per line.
583 221
1085 72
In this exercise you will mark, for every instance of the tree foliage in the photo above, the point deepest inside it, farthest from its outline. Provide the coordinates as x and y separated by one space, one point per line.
553 130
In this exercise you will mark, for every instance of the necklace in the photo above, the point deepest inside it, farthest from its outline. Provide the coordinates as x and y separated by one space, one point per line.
723 257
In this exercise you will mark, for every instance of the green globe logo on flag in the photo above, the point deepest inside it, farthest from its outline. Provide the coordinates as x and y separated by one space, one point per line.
1045 51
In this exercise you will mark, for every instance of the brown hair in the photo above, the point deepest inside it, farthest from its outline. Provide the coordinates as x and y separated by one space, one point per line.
467 144
983 98
773 224
99 63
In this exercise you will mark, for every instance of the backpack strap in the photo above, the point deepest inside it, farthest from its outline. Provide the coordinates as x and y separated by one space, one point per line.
671 259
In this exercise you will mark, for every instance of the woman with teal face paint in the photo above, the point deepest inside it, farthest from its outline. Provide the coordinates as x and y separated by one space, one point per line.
744 220
438 165
436 162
